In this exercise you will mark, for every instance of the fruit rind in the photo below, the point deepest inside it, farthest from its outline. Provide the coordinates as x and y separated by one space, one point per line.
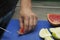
44 33
48 38
55 32
53 23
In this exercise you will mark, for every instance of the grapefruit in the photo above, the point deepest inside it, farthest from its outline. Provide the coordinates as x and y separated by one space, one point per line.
54 19
55 32
44 33
21 31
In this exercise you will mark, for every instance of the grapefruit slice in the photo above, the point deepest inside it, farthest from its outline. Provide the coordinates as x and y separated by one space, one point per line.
44 33
55 32
21 31
54 19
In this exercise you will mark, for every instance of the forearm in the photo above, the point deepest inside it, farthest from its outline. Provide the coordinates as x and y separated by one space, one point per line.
26 4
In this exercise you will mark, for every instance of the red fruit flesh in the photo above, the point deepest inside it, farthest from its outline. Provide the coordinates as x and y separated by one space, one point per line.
54 18
21 31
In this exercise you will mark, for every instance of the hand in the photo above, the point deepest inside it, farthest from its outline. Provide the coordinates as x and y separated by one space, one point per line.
27 20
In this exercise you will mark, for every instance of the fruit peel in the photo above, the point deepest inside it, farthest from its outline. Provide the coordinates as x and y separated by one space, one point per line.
55 32
56 36
44 33
53 19
48 38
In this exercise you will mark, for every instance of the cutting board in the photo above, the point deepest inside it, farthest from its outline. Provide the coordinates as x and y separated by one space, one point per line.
14 26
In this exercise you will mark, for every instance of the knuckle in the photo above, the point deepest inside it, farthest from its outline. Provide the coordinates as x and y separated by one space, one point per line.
31 25
26 25
34 24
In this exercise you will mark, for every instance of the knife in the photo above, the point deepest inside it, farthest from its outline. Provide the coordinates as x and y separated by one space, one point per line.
5 30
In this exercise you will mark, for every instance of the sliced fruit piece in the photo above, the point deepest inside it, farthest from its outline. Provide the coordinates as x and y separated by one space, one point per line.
21 31
56 35
48 38
44 33
55 32
54 19
55 29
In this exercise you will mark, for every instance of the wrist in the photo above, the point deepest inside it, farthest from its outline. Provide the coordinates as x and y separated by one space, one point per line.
25 9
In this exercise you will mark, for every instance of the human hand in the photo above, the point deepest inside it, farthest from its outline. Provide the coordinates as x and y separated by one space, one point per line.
28 21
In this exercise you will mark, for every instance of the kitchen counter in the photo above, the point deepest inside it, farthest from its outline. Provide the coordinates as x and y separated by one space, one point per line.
41 9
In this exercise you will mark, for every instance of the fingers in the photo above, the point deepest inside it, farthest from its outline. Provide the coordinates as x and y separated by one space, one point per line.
35 21
30 23
21 22
26 24
21 31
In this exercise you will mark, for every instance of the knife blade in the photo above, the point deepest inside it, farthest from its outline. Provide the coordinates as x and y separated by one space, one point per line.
5 30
